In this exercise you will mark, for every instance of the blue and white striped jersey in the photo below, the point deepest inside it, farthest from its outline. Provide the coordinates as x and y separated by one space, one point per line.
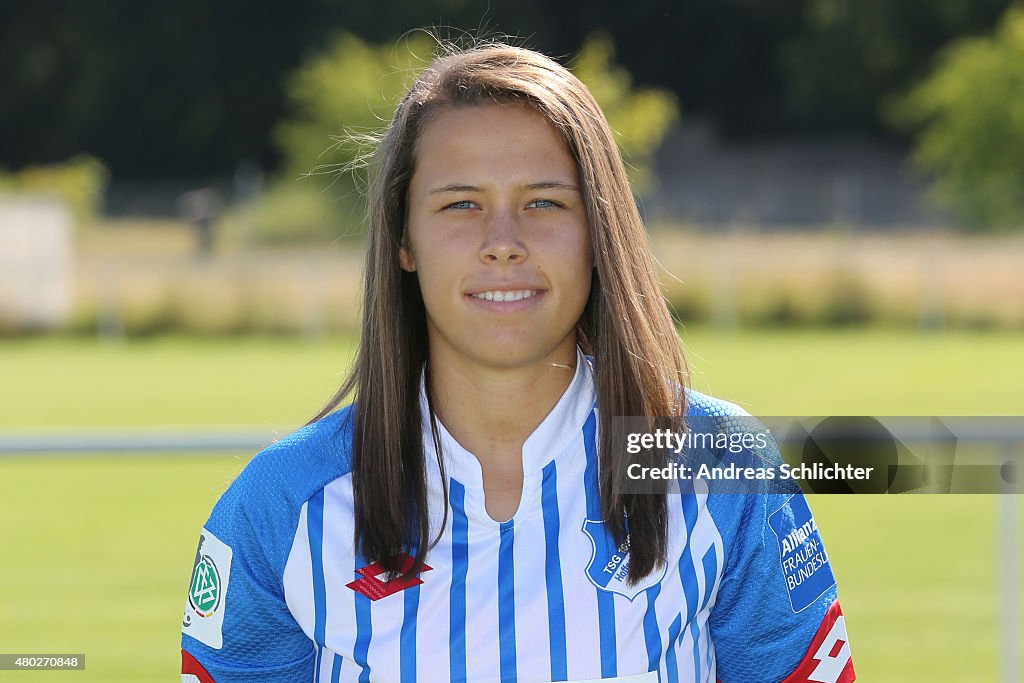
278 593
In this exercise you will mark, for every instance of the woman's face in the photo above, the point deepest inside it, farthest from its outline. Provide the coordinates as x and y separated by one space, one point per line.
498 237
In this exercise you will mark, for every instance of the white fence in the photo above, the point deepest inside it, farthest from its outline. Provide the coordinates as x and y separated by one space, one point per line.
36 261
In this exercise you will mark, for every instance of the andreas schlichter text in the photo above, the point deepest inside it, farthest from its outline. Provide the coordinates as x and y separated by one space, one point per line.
732 472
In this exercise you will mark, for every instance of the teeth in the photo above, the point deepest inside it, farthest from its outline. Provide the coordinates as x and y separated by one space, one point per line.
505 296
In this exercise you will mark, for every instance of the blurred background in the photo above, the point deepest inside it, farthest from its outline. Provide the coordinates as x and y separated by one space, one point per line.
834 191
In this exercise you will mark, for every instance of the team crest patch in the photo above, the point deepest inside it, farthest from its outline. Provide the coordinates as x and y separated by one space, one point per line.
609 565
805 566
207 591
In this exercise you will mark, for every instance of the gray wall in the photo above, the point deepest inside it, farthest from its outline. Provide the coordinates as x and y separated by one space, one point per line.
785 183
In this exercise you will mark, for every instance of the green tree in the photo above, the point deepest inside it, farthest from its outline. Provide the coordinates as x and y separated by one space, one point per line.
850 55
79 183
640 117
340 96
969 118
337 99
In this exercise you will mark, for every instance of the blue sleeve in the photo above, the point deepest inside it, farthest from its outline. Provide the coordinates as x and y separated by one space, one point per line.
237 625
777 589
776 616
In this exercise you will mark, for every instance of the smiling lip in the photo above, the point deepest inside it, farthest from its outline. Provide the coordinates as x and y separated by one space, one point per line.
505 299
505 293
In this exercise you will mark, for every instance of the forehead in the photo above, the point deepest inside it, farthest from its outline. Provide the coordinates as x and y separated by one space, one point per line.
491 140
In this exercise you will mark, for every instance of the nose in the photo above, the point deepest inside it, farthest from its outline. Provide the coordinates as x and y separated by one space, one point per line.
502 242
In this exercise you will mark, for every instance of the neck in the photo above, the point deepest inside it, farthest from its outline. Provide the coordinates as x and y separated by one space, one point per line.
492 410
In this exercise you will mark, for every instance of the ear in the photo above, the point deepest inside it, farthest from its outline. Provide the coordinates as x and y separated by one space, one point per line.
405 259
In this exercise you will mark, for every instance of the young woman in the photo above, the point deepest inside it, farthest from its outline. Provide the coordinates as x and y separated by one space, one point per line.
459 521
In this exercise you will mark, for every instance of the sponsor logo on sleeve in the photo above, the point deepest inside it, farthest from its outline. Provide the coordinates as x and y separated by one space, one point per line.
805 566
207 591
828 659
609 565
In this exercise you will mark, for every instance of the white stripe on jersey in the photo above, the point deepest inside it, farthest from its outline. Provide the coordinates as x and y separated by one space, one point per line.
649 677
550 628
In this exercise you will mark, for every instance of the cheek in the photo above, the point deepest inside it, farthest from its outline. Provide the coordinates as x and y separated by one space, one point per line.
438 276
577 254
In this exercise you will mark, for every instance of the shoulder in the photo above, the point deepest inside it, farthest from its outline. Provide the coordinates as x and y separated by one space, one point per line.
262 505
731 509
305 460
247 540
293 468
702 405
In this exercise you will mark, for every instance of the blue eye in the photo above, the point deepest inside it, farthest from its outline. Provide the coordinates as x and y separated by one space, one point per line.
543 204
464 204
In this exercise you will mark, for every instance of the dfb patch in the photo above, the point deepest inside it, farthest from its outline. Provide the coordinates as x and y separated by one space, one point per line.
207 591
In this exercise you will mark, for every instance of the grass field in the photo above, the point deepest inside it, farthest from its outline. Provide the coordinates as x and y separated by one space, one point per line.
97 549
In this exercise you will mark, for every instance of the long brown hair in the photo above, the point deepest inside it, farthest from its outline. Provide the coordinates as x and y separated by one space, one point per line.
640 364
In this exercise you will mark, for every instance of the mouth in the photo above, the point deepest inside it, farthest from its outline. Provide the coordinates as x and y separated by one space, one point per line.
506 295
505 300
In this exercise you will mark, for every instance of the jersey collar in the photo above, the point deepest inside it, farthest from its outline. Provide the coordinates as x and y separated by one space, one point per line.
549 440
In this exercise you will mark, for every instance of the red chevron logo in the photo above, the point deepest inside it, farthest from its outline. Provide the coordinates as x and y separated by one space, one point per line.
375 588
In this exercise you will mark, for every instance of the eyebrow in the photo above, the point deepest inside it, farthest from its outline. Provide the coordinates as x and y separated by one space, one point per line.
543 185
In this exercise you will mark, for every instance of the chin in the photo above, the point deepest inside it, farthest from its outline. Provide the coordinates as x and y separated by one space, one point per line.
513 352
